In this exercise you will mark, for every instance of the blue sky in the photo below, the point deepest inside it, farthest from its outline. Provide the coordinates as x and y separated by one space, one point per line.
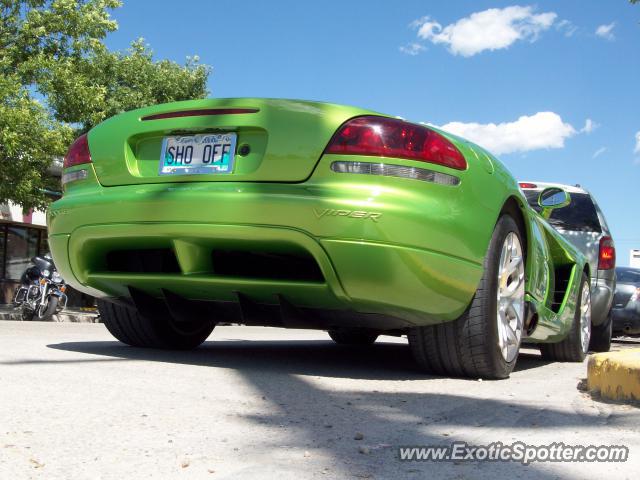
564 99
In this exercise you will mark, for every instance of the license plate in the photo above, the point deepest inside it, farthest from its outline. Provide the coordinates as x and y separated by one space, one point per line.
198 154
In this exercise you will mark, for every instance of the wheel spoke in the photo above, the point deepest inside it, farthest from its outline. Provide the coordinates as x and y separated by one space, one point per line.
510 297
585 316
513 265
512 338
513 289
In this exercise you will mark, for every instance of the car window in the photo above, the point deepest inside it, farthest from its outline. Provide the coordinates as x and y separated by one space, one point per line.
628 276
603 221
579 215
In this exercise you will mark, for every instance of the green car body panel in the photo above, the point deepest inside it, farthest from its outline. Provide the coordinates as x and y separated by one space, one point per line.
400 248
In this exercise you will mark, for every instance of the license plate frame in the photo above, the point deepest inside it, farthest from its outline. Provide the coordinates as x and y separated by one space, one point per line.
207 153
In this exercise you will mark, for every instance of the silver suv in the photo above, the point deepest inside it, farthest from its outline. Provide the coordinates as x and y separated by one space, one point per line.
583 224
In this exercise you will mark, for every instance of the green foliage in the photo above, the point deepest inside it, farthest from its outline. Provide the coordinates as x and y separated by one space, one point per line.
29 139
88 90
57 79
33 32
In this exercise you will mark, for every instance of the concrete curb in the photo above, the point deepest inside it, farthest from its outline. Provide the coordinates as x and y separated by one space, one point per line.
615 375
69 315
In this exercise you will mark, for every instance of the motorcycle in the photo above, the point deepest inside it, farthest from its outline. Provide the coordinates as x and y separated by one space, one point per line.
42 291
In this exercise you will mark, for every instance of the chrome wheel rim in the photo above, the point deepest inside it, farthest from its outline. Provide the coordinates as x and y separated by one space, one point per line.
510 297
585 317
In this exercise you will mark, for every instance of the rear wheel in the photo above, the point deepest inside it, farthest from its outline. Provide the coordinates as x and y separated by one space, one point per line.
353 336
575 346
130 327
484 342
601 336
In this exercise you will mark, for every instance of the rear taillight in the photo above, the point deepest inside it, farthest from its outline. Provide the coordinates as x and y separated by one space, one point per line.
389 137
78 153
527 185
607 256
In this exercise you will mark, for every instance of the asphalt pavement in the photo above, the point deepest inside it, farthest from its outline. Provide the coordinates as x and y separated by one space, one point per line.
272 403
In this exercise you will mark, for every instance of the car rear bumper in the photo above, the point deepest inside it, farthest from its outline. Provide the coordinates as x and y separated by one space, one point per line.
416 285
626 320
402 249
601 299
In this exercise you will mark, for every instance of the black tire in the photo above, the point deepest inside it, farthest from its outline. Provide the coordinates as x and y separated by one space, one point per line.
469 345
46 314
130 327
353 336
570 349
601 336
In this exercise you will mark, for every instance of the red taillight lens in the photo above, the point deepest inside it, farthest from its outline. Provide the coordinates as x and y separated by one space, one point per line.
527 185
389 137
607 257
78 153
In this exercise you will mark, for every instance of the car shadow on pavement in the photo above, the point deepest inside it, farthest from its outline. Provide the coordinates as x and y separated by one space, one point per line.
381 361
389 420
309 401
530 359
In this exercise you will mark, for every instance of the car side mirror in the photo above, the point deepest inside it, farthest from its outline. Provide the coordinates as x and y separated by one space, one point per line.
552 198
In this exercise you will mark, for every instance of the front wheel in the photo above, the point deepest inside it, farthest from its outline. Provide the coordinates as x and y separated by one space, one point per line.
484 342
45 311
575 346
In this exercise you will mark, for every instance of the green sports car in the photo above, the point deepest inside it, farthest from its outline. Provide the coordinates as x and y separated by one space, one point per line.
311 215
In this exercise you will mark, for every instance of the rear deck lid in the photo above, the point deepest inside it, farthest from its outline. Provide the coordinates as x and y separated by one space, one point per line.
243 139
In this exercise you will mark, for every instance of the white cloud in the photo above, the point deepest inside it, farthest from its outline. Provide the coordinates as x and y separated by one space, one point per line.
637 149
566 27
606 31
492 29
589 126
599 152
543 130
412 48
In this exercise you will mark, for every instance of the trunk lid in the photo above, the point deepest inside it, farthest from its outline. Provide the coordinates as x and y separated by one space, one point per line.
286 139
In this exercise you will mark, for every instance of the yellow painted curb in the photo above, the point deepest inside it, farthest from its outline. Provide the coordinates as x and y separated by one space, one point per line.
616 375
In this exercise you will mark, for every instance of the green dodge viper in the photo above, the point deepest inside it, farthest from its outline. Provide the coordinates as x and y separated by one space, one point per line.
301 214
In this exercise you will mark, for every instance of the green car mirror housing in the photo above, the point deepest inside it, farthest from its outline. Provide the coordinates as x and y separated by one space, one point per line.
552 198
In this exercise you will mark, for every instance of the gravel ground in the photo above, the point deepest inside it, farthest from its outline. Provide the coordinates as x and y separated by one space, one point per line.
260 402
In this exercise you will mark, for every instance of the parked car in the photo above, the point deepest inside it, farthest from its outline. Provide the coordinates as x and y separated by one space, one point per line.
311 215
583 224
626 303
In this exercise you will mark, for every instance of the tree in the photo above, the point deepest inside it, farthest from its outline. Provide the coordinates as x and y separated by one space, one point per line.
29 139
58 79
90 89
